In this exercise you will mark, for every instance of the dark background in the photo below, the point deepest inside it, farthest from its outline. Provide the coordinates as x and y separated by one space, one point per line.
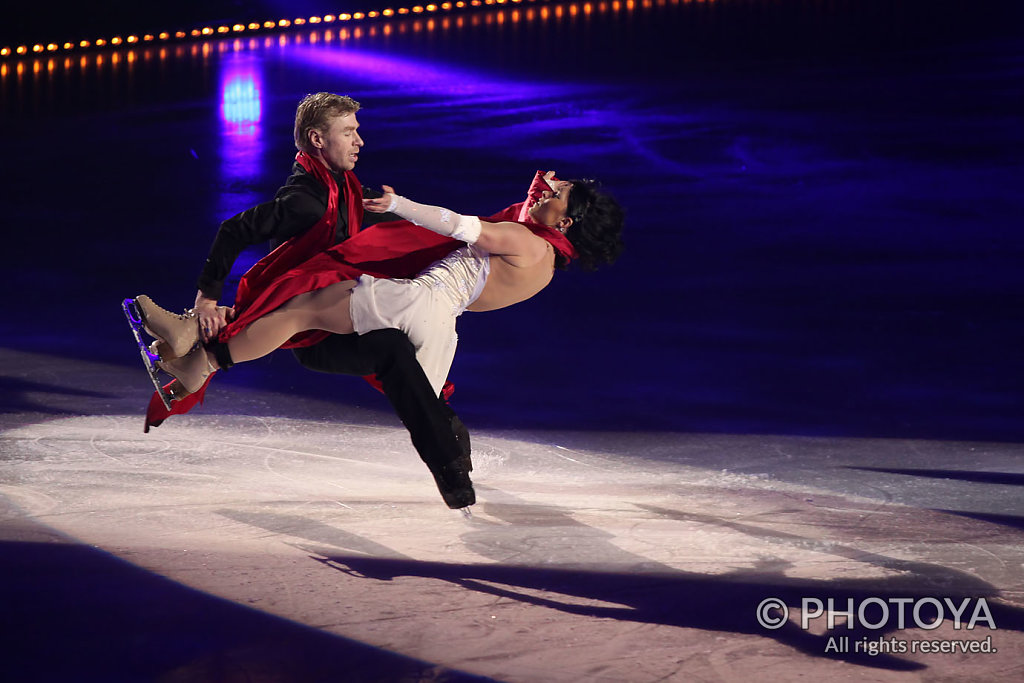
823 197
60 21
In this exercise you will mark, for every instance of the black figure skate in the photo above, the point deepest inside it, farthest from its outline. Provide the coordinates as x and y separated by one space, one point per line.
453 482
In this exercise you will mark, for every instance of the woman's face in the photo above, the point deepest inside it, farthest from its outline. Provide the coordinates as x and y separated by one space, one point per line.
553 207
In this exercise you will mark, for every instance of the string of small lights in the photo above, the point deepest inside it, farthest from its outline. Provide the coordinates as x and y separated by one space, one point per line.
205 32
315 30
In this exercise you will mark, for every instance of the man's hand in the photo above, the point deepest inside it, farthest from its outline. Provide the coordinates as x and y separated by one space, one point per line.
212 318
381 204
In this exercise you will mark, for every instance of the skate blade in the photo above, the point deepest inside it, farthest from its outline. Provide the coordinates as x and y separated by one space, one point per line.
135 317
466 512
149 359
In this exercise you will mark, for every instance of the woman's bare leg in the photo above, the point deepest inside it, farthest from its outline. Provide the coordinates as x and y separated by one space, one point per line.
323 309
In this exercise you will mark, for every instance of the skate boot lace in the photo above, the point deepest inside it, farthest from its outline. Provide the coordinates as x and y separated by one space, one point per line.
188 313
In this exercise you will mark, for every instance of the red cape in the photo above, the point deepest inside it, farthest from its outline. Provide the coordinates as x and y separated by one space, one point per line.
307 262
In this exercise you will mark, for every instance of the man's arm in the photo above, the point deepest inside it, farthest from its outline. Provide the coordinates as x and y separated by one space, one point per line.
292 212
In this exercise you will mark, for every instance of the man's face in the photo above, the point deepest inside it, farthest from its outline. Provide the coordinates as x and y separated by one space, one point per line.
339 145
552 207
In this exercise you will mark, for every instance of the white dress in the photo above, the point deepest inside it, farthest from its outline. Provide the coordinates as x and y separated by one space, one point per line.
425 307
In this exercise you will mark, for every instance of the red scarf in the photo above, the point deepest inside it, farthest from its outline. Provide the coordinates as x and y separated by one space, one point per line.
520 213
299 249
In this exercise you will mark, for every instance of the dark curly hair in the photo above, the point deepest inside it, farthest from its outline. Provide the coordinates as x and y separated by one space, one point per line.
596 229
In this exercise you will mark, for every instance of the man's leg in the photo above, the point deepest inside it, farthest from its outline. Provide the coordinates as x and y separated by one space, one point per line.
437 433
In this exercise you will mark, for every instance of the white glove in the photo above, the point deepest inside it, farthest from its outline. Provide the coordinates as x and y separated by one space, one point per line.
442 221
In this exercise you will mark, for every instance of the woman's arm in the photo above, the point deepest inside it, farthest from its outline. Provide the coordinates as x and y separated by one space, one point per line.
514 242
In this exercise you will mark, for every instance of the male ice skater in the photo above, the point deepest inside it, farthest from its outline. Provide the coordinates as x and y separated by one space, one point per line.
327 137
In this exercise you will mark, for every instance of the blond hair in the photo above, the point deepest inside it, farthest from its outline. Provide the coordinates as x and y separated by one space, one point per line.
314 113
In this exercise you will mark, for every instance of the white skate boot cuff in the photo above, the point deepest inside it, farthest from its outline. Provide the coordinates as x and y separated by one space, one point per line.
439 220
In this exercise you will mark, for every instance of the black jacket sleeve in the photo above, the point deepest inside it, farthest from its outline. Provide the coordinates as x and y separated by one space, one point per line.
294 210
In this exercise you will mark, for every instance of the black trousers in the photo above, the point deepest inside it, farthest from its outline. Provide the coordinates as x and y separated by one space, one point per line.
437 432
